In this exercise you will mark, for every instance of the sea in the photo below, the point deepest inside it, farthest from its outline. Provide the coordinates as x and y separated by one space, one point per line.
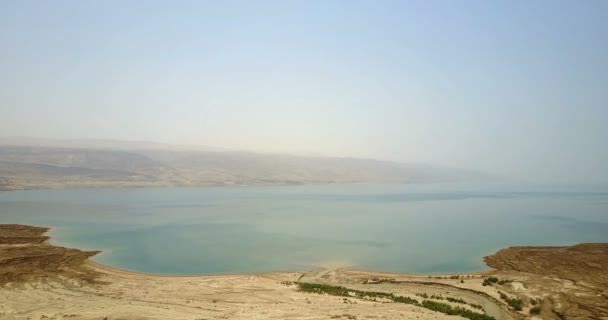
406 228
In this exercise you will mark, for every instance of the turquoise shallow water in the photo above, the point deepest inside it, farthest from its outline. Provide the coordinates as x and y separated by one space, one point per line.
400 228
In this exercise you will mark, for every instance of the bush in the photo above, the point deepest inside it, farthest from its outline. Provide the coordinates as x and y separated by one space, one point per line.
489 280
514 303
535 310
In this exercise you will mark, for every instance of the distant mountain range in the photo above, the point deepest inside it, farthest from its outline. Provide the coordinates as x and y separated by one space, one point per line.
31 163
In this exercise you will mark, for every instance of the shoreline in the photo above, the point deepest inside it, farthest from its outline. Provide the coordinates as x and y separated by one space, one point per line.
53 231
106 267
218 185
39 280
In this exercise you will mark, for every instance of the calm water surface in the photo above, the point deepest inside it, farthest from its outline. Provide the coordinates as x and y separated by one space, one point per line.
400 228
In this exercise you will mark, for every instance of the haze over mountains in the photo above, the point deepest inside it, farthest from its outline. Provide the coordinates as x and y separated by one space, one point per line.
30 163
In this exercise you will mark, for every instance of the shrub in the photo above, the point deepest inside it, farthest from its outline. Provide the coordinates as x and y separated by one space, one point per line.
535 310
489 280
456 300
514 303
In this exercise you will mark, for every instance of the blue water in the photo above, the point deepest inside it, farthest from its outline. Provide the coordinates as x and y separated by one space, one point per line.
399 228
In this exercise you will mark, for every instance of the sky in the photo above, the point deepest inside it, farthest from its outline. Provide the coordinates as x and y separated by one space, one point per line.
514 88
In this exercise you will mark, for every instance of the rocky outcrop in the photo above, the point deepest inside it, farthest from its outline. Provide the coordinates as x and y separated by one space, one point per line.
582 268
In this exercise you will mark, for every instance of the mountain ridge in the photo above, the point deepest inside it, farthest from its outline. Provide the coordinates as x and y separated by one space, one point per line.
54 166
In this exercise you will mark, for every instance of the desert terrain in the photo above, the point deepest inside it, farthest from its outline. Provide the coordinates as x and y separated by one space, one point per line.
41 281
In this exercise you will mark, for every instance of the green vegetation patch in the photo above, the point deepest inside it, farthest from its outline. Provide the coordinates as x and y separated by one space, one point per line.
490 280
428 304
457 311
514 303
535 310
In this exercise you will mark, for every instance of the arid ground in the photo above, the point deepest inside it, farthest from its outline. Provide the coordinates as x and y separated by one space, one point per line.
41 281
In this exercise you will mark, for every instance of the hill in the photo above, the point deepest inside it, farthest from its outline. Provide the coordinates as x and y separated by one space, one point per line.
47 164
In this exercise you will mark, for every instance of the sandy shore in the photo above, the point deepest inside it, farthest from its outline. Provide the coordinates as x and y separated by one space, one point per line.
41 281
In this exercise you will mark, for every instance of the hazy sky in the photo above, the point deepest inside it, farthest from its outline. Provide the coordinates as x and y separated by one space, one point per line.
518 88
